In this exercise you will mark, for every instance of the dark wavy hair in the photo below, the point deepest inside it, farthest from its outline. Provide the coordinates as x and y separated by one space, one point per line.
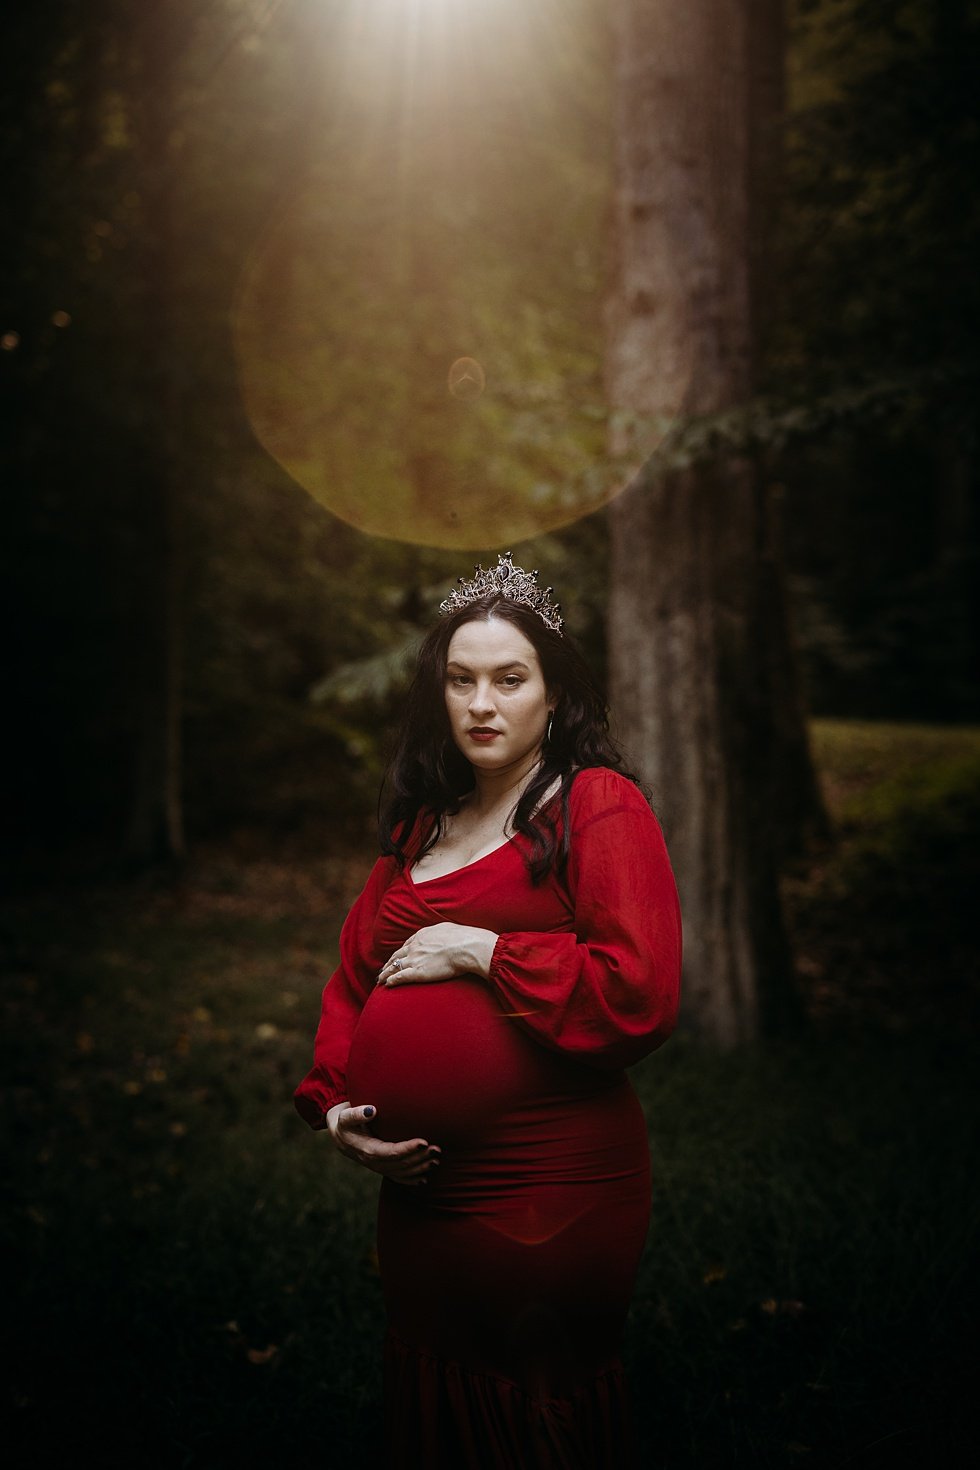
428 773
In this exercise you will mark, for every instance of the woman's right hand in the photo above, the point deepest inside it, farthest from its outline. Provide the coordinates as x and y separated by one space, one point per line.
406 1163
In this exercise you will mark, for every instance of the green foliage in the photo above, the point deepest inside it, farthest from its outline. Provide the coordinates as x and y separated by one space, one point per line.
878 777
375 679
884 135
875 282
884 924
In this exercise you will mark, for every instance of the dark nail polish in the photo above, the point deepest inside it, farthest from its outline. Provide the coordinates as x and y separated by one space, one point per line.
369 1112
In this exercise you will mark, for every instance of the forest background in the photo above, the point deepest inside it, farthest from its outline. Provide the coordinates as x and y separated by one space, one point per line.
244 242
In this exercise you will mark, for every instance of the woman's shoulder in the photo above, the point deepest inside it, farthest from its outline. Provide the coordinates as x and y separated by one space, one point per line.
600 791
412 832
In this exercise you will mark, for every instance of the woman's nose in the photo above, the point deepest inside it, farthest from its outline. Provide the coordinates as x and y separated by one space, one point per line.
482 700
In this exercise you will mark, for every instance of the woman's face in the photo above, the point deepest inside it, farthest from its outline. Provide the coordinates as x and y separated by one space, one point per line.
495 695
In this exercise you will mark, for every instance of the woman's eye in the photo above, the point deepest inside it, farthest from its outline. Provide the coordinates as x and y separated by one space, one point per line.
458 681
512 681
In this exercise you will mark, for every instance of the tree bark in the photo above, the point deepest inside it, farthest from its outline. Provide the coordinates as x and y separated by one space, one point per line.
702 685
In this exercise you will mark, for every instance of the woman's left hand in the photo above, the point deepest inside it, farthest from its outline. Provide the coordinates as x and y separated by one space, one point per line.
440 952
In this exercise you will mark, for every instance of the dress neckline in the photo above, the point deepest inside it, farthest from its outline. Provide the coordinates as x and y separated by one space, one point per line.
463 868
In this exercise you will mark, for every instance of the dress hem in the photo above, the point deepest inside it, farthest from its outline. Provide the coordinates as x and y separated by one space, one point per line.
445 1415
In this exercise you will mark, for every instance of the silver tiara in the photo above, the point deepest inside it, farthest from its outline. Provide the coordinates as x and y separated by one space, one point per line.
506 580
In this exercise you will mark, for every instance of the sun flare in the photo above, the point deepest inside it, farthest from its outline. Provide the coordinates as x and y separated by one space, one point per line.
417 330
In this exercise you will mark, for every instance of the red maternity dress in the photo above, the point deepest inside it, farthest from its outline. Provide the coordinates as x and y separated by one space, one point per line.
508 1276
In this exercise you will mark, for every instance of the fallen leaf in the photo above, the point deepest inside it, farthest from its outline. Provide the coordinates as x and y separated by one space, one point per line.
774 1308
714 1273
262 1355
265 1031
84 1042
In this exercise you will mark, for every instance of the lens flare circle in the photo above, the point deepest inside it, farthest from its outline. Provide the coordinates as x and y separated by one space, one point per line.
348 329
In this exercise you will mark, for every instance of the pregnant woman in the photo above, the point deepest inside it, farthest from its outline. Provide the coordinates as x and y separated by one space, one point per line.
515 948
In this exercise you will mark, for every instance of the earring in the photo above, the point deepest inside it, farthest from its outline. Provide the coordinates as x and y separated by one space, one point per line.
551 720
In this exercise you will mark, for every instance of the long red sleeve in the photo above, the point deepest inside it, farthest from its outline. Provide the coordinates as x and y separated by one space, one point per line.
608 992
344 997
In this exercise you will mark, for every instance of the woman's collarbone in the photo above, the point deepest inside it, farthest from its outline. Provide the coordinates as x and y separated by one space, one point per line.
458 849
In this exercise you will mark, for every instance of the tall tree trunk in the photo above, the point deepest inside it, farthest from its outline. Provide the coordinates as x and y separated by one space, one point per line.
155 828
701 678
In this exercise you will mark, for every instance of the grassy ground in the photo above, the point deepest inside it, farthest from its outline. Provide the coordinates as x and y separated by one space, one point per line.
194 1283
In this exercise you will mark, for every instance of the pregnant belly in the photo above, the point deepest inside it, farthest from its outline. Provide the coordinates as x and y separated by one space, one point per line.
443 1061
